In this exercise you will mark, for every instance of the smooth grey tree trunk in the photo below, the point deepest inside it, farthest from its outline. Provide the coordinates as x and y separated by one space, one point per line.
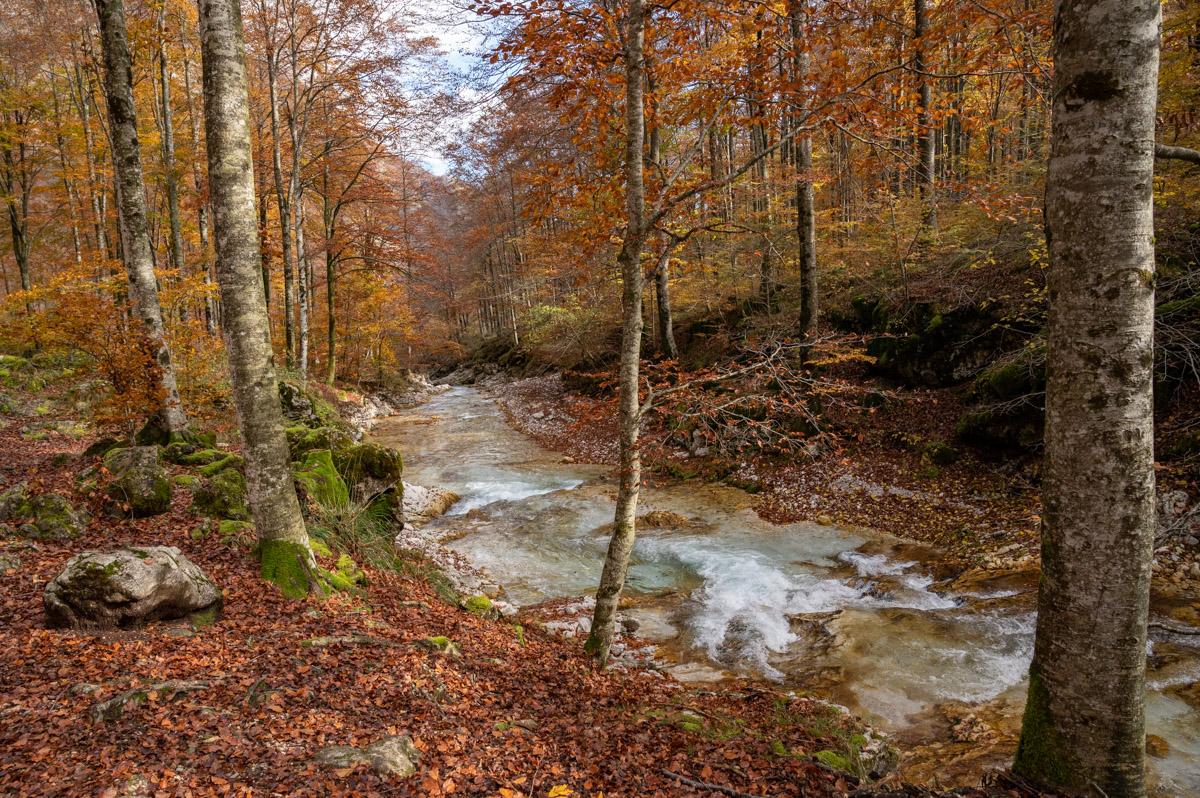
616 563
662 295
131 201
287 558
1084 725
174 236
283 198
806 224
925 126
210 315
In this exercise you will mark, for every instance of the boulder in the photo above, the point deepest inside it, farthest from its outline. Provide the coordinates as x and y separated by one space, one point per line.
302 440
46 516
391 756
222 496
321 480
139 487
127 587
297 406
372 473
421 503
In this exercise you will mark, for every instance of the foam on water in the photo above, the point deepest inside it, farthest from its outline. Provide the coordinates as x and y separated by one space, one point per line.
477 494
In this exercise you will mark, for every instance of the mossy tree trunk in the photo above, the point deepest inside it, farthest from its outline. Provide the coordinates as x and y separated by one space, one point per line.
616 563
1084 725
131 200
287 558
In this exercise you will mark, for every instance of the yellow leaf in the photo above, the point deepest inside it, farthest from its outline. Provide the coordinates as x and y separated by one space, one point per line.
561 791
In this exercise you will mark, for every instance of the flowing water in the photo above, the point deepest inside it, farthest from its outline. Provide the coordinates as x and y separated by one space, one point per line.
875 623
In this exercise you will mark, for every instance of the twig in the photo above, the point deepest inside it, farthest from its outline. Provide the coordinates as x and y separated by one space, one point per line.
700 785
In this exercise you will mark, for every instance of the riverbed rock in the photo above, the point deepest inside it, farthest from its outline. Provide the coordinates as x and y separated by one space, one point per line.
663 519
424 503
391 756
128 587
139 488
46 516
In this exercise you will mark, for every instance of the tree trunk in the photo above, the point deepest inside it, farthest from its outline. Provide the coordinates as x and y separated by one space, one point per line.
806 225
662 295
616 563
283 197
925 139
210 316
131 199
302 294
1084 725
287 559
174 236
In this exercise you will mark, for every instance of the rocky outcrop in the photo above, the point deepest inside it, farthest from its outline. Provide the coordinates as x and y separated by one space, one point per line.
127 587
394 756
321 481
46 516
421 503
372 473
222 496
139 486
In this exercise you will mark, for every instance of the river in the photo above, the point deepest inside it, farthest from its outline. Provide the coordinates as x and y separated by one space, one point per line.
880 625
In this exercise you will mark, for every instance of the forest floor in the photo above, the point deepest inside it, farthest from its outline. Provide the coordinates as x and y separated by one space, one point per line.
519 712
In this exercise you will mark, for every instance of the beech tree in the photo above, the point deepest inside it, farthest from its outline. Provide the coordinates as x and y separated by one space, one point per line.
287 557
1084 724
131 201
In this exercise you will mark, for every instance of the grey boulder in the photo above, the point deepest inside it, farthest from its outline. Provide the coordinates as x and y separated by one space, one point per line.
128 587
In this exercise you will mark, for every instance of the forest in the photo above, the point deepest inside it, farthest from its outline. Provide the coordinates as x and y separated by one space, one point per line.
584 398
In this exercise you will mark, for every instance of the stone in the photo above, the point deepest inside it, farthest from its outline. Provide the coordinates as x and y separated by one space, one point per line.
481 606
303 439
439 645
46 516
127 587
297 406
391 756
9 562
321 480
660 519
1157 747
424 503
630 625
372 473
223 497
490 590
139 488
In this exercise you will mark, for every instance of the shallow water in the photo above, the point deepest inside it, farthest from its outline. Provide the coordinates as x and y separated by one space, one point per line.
867 619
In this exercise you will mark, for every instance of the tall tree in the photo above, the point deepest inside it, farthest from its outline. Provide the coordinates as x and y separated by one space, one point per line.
616 563
287 558
131 201
1084 725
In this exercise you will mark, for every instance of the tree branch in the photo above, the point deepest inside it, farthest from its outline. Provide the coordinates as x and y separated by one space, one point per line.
1166 152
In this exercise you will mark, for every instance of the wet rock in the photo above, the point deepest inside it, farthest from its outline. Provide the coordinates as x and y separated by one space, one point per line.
46 516
424 503
661 519
1157 747
127 587
392 756
140 487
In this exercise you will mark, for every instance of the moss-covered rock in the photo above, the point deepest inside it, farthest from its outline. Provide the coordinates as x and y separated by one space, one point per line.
139 487
481 606
187 481
392 756
373 475
439 645
46 516
127 587
101 447
230 462
1009 400
302 440
321 481
222 496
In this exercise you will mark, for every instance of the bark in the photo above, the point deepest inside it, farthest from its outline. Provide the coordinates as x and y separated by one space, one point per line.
662 283
302 294
210 316
806 225
131 201
283 198
287 558
174 236
1084 725
95 194
925 138
1167 152
616 563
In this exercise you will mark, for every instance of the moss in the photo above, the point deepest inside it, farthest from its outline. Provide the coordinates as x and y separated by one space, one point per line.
223 496
189 481
302 440
285 563
348 569
235 533
320 549
934 323
206 618
519 631
227 463
940 454
834 760
368 461
338 581
1041 754
322 481
1186 446
478 605
202 457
